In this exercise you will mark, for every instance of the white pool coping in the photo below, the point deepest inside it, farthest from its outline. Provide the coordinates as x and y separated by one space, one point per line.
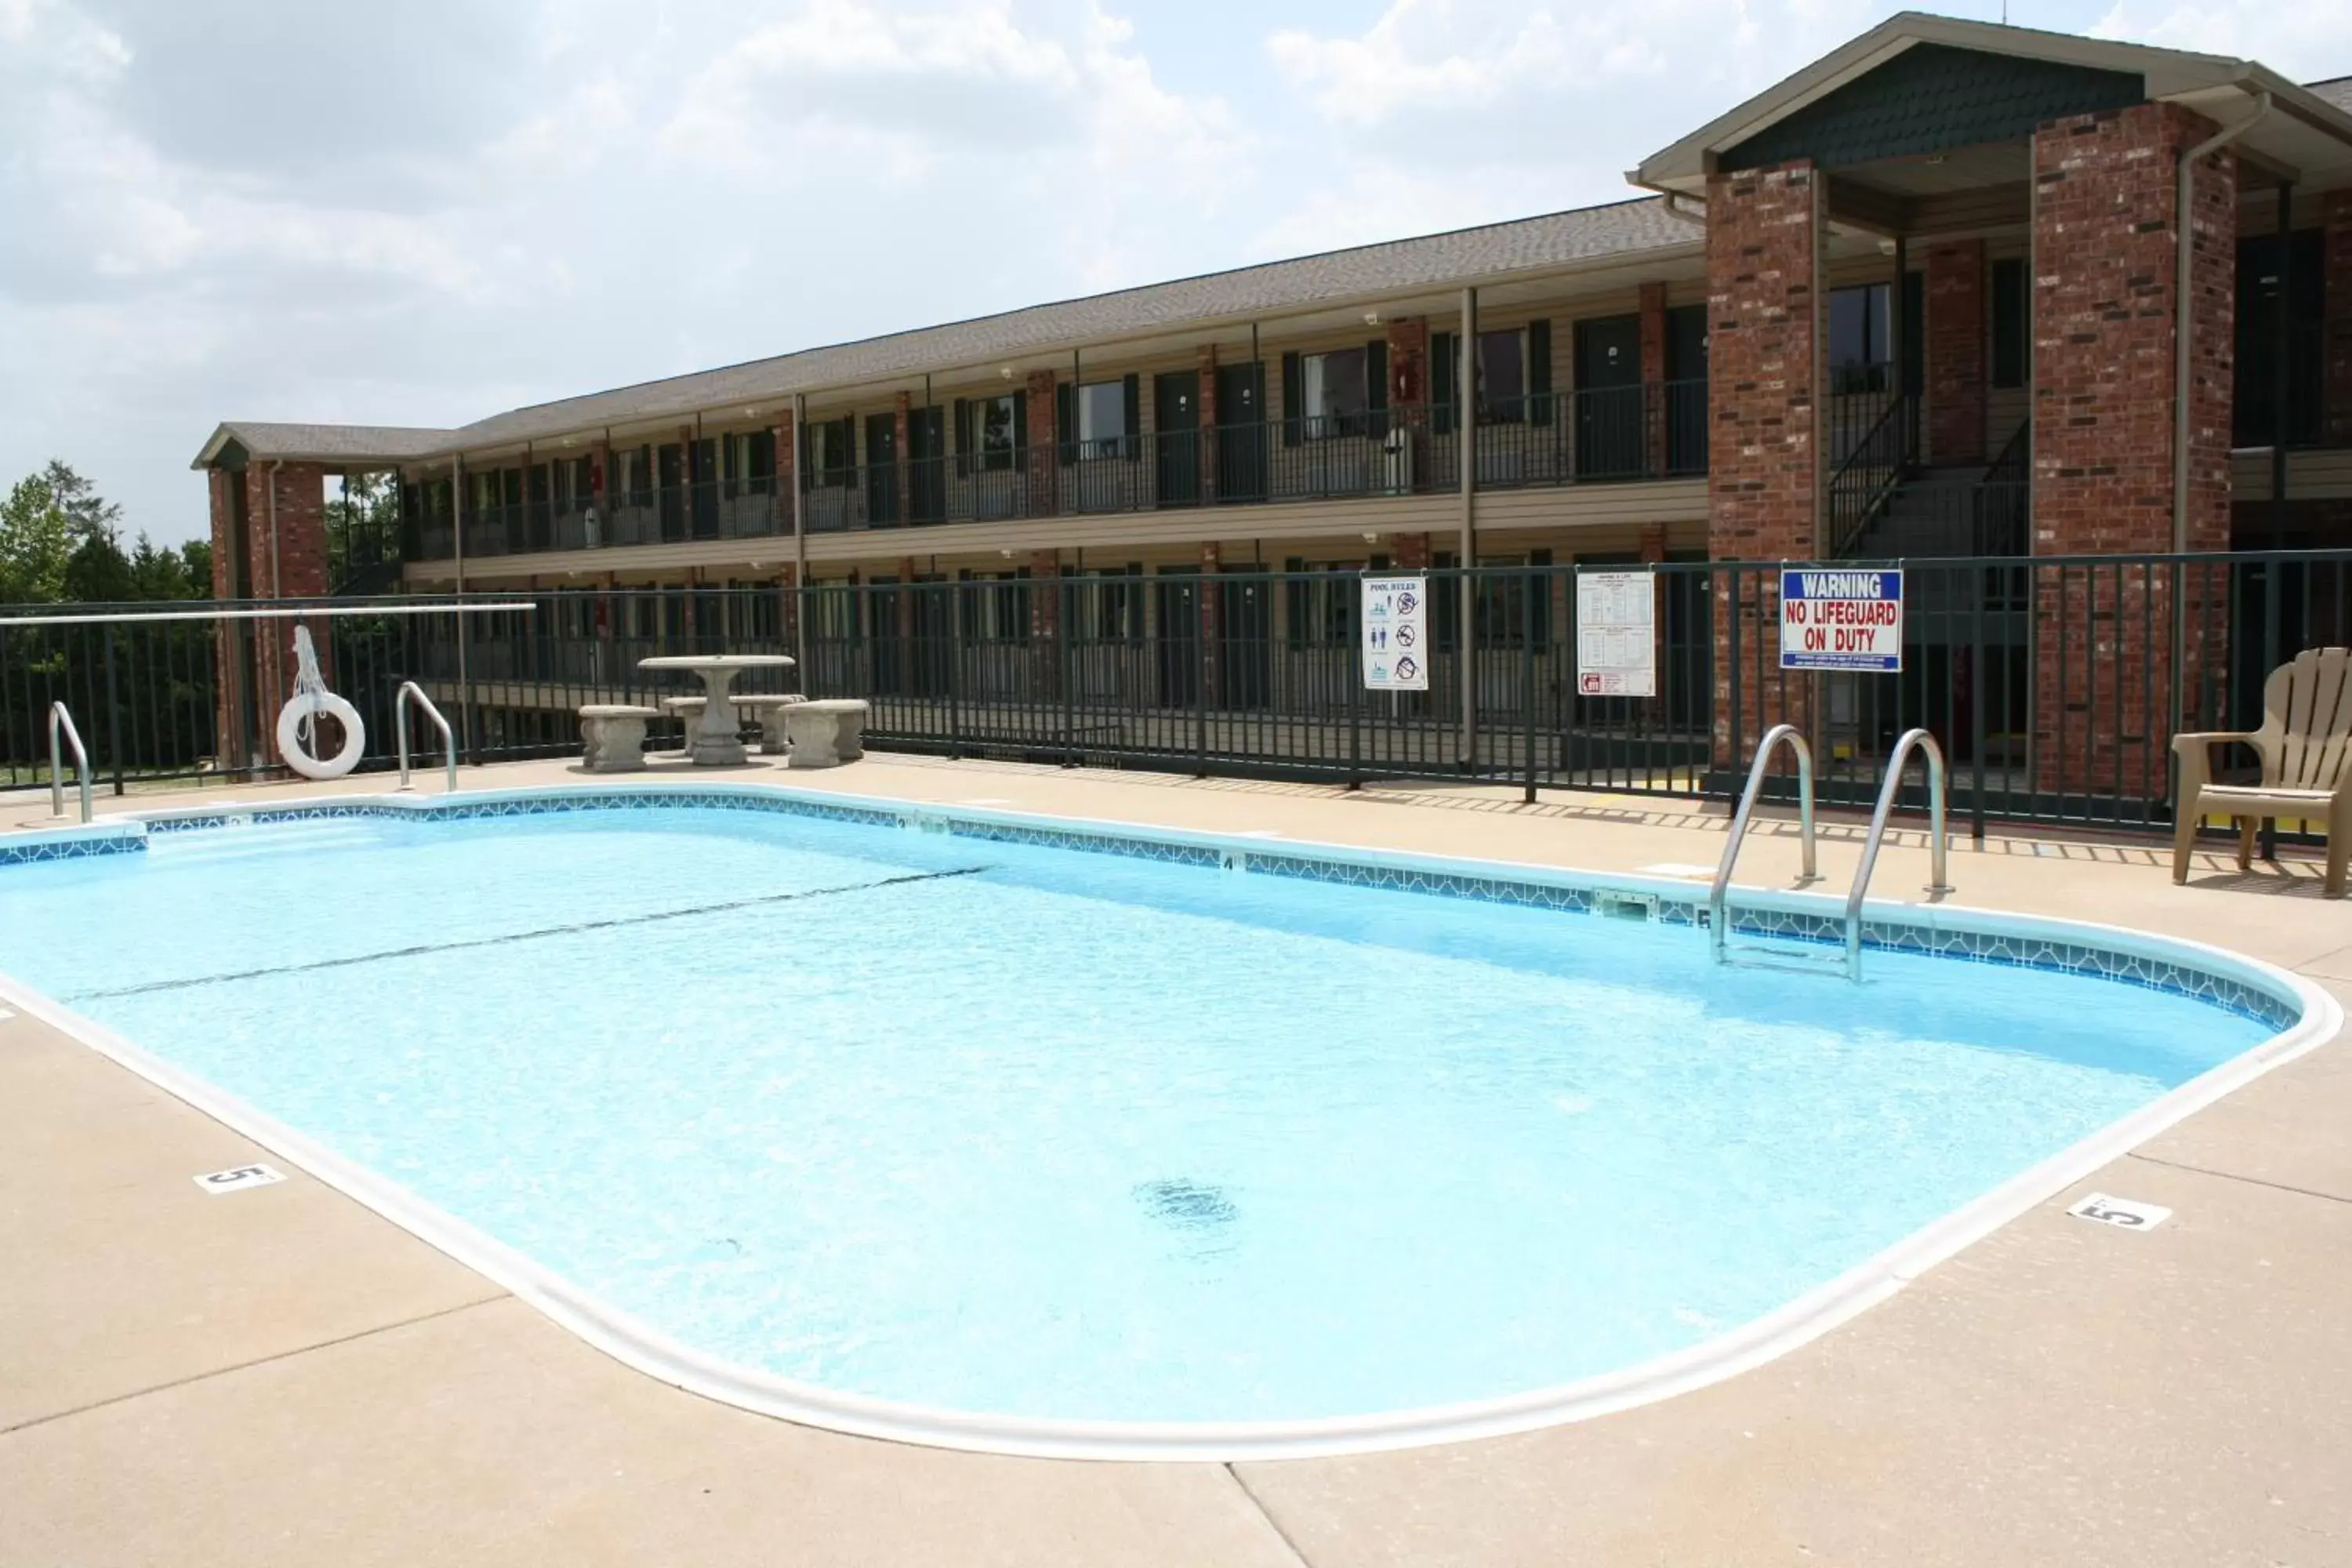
1806 1318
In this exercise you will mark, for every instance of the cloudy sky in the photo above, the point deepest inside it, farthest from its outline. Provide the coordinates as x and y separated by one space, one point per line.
424 212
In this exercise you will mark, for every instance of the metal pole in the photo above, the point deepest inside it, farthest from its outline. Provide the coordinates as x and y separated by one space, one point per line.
113 712
464 679
800 536
1467 437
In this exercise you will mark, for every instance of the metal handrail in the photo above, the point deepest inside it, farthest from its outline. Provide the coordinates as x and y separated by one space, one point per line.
1903 748
59 719
1718 895
410 692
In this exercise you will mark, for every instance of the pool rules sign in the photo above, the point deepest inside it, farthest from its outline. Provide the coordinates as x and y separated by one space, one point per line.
1841 619
1396 634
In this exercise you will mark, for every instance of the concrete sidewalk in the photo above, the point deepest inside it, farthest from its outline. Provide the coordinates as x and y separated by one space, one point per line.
284 1377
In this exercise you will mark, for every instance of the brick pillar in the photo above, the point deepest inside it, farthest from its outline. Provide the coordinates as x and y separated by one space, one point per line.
2336 218
2104 233
296 569
787 475
1955 344
899 444
1653 543
1411 553
600 488
1765 235
788 615
1046 620
1408 340
1212 627
1654 377
1044 457
1208 361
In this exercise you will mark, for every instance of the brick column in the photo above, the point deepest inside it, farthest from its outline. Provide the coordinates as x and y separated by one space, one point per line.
905 465
788 615
1765 234
1408 340
1208 363
1654 377
2335 219
1045 620
1212 627
787 474
1411 552
2104 232
600 488
1955 343
296 569
1044 457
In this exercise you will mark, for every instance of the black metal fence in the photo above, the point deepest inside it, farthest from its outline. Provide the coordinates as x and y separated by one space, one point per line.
2054 685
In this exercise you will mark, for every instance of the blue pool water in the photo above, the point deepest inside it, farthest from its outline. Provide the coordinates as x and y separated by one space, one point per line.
1030 1131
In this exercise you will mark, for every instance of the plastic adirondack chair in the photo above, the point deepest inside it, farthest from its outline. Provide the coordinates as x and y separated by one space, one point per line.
2305 745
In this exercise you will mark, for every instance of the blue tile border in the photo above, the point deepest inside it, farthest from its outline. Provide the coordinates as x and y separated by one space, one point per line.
1672 907
77 846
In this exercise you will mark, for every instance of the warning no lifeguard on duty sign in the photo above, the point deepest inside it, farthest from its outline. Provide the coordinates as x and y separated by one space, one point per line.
1841 619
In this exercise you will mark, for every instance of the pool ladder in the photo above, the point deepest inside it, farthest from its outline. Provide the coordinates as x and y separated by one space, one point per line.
61 726
411 692
1718 920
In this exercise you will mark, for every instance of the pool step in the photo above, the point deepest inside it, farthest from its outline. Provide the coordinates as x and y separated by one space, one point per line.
1793 958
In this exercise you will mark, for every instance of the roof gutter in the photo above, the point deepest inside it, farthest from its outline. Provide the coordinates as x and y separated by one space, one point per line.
2184 250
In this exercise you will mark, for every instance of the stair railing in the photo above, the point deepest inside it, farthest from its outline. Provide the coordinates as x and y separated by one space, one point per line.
1866 477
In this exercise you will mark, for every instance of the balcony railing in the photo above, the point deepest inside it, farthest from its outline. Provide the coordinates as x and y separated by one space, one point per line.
1640 431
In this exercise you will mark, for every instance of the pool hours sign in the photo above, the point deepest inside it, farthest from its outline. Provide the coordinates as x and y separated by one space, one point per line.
1841 619
1396 634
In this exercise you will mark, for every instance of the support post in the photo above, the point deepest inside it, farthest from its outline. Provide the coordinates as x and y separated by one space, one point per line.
1466 430
2281 343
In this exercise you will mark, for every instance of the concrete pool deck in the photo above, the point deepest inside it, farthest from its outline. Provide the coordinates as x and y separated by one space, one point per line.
283 1376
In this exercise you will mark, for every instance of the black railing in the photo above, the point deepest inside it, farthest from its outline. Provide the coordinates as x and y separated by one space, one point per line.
2053 684
1641 431
1872 463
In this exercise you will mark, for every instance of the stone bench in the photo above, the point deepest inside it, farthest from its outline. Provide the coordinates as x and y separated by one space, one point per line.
770 708
826 734
614 736
687 711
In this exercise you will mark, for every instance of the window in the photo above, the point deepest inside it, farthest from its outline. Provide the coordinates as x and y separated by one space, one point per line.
2011 322
1102 419
1334 393
832 452
1502 376
1861 343
993 437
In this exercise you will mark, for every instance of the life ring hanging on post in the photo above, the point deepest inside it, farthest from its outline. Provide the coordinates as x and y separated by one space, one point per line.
297 726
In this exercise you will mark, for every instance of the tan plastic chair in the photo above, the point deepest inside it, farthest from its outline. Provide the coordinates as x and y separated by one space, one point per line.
2305 744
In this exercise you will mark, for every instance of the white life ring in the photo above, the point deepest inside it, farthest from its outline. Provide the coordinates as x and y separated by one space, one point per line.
311 698
299 710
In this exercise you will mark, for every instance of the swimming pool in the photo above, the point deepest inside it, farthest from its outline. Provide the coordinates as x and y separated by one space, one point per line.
1054 1138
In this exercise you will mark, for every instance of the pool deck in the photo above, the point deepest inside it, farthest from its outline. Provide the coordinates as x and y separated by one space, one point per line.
283 1377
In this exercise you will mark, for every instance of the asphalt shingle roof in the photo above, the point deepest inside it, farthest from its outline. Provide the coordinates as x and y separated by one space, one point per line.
1463 257
330 441
2337 91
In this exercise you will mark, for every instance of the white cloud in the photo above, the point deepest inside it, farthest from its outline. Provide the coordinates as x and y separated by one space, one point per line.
428 212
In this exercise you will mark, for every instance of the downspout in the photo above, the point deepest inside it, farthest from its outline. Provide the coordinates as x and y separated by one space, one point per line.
2184 250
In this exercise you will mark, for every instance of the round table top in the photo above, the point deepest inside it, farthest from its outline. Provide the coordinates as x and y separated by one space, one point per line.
716 661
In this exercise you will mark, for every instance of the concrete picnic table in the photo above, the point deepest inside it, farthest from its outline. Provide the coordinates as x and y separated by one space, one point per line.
713 737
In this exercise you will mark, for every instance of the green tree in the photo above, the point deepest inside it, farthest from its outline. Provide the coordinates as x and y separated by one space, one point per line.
36 542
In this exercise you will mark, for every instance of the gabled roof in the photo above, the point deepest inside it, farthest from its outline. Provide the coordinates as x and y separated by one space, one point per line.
329 443
2336 90
2167 74
1465 256
1525 247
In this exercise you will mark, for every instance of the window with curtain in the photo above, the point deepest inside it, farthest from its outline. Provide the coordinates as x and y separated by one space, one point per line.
1334 393
1102 419
1502 376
